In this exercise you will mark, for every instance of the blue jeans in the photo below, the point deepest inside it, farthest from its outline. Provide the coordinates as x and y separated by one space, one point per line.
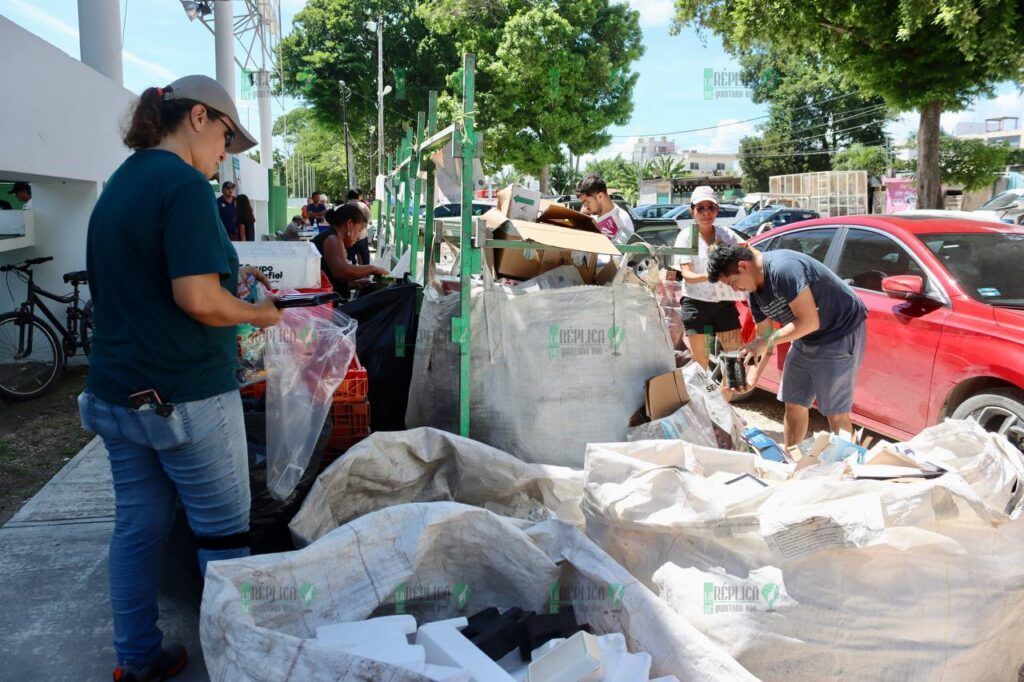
198 453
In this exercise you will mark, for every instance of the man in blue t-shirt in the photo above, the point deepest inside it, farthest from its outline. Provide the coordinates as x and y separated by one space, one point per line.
315 211
228 209
818 313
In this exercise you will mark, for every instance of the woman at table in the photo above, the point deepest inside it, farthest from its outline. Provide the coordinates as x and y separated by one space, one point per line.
346 222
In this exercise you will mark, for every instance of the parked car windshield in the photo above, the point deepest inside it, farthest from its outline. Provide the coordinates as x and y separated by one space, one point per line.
987 264
678 213
755 218
1004 200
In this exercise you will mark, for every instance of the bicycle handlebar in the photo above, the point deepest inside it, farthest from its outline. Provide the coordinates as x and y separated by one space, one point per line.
24 266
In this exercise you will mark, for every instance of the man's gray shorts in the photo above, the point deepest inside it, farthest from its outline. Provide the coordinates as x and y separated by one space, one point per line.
826 372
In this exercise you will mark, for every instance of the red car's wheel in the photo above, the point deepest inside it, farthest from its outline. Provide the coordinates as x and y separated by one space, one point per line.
1000 410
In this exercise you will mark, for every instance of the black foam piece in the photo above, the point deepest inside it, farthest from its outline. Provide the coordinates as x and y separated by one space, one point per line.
497 636
539 628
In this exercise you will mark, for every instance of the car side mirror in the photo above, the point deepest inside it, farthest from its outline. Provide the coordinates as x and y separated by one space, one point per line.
903 286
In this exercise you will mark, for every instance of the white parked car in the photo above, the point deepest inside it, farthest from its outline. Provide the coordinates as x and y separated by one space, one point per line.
1005 207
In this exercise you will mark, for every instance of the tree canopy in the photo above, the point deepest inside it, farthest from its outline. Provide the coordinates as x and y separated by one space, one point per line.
549 75
924 55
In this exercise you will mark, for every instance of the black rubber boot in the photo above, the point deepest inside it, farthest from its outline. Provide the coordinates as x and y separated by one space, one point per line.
171 661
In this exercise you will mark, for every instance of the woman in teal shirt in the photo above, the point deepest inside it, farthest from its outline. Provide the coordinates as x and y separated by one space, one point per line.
161 390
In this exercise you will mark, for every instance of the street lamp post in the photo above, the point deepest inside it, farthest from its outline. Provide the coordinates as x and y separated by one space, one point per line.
349 161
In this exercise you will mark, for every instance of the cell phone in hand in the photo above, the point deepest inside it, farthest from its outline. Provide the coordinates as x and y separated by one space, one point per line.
306 300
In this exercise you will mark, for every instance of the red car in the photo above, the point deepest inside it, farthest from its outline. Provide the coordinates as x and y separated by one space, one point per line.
945 300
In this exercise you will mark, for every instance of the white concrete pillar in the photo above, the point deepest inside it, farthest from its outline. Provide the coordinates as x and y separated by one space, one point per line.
224 43
266 130
99 37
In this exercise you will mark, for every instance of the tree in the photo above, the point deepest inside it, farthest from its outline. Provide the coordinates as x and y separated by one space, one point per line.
620 175
924 55
507 176
319 144
970 163
331 42
812 112
548 74
564 178
665 167
874 160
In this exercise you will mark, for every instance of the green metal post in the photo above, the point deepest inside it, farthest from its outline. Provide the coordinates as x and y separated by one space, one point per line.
467 149
407 190
428 228
388 232
402 207
414 162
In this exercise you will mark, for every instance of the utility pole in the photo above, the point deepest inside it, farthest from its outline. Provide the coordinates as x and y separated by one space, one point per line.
349 161
380 93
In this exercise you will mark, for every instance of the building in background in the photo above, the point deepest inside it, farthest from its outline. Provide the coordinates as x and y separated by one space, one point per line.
645 149
1002 130
708 164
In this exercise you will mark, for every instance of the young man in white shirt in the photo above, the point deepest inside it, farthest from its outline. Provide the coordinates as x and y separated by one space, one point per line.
707 309
614 222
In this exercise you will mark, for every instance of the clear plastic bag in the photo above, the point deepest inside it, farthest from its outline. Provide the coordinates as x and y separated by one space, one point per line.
307 356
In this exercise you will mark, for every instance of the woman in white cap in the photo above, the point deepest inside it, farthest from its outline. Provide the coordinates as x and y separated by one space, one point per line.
161 390
707 309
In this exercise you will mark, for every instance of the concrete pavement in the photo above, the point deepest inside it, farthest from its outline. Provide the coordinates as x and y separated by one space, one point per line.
55 623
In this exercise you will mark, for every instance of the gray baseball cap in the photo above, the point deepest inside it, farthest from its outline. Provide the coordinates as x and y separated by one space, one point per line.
206 90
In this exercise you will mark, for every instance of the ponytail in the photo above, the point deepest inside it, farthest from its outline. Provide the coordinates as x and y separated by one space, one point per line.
153 118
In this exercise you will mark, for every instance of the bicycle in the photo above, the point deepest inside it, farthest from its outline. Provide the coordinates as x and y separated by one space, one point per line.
32 355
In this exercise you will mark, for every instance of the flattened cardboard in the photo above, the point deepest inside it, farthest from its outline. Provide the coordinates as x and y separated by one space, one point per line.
665 394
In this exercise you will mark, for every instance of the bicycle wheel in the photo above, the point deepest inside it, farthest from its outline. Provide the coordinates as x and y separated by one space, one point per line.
26 376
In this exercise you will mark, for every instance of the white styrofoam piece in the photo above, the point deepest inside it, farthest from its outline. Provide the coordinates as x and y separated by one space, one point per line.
445 645
628 667
577 659
514 665
545 647
408 656
445 673
666 678
457 623
352 633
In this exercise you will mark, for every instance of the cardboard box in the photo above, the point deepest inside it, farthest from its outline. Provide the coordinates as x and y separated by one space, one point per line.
565 237
665 394
519 203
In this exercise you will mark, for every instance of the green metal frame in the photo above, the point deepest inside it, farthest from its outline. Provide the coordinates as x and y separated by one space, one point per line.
401 224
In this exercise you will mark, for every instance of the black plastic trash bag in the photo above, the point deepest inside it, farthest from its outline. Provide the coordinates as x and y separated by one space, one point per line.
385 344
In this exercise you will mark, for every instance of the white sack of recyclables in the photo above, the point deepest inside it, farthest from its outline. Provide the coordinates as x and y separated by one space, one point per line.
857 579
429 465
552 370
355 571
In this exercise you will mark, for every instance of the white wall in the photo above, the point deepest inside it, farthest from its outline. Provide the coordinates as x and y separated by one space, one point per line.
59 130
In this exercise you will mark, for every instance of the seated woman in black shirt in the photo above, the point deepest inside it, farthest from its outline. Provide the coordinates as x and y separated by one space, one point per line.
346 222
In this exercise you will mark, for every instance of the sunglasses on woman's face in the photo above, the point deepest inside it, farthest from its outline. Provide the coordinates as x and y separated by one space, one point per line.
706 208
229 134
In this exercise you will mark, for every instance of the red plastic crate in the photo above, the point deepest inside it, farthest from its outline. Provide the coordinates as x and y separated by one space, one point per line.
355 386
351 424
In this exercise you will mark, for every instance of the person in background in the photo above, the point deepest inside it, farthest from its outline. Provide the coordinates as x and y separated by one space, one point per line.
228 208
291 231
23 192
346 222
359 254
246 219
161 390
614 222
316 211
819 313
706 309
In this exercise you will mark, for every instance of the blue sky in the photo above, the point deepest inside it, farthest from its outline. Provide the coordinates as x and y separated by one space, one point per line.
160 44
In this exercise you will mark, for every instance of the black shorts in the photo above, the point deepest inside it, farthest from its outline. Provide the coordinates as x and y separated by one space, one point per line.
702 317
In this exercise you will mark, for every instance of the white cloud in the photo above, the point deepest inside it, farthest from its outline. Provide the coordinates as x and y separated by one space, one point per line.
653 12
33 13
726 138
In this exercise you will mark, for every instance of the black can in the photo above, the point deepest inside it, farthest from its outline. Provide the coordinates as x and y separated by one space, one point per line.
735 373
